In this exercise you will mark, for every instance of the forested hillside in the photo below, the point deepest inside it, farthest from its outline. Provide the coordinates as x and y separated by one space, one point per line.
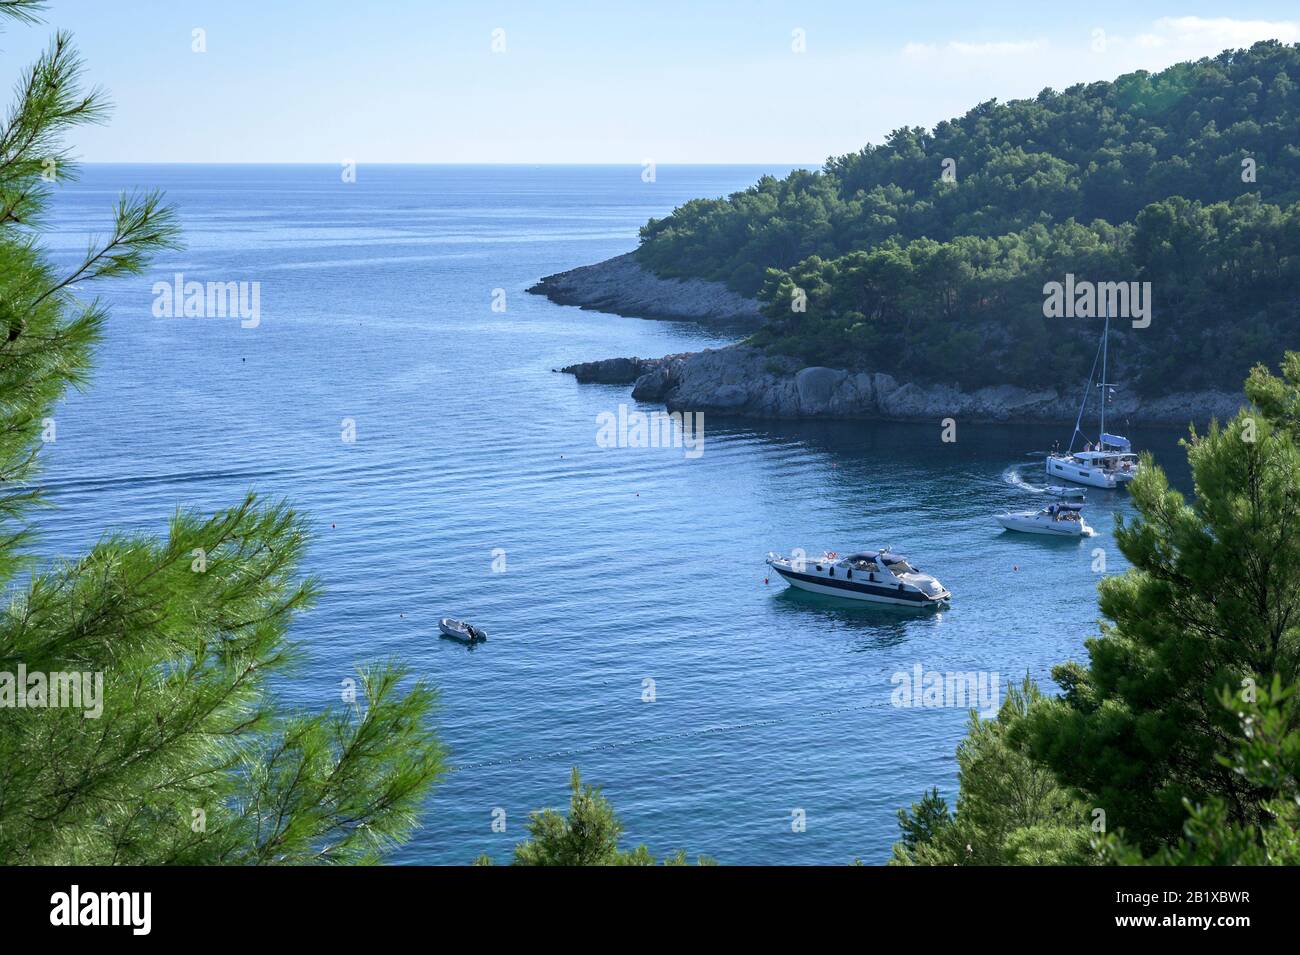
1188 178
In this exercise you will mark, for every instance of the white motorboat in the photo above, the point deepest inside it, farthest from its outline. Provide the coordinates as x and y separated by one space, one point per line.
866 575
460 630
1056 520
1111 461
1076 493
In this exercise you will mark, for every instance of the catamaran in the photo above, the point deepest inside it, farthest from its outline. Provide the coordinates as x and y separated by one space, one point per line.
1111 461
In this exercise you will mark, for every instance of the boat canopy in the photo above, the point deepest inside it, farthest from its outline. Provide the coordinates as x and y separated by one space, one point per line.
1117 441
886 557
1063 507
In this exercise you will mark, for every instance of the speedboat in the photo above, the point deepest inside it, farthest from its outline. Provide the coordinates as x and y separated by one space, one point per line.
1109 463
1075 493
1057 520
877 575
460 630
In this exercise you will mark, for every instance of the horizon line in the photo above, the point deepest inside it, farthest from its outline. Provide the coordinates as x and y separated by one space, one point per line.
631 165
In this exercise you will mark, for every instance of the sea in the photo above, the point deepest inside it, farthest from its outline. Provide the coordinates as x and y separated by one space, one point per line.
398 385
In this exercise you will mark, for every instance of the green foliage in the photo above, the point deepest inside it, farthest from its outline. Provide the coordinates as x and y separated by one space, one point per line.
925 307
1211 603
587 836
1010 810
1208 609
1185 727
923 821
1278 398
1094 151
1267 755
1140 180
189 758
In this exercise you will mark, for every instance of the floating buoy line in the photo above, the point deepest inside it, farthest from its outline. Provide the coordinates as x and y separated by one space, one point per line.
715 730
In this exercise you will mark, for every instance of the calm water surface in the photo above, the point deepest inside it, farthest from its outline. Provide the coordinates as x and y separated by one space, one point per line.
622 565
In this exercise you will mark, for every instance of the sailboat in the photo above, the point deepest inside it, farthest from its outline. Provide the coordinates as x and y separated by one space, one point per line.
1111 462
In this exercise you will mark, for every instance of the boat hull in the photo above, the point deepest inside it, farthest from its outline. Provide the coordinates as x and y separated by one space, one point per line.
1078 474
1048 529
859 590
449 629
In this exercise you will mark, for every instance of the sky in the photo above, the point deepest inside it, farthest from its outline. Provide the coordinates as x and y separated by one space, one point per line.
404 81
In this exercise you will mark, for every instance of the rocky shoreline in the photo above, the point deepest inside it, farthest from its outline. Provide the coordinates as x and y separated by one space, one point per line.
743 381
622 286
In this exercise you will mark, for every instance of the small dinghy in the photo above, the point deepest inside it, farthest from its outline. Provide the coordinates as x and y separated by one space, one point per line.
460 630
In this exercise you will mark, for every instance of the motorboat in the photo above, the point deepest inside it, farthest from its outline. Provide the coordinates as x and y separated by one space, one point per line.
1109 462
1057 520
1068 493
876 575
460 630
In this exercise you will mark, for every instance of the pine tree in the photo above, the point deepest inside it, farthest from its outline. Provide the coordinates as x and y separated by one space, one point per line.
1210 605
1268 755
921 823
587 836
1010 809
189 759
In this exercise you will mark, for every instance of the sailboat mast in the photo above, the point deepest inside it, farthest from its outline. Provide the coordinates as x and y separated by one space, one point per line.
1083 405
1105 341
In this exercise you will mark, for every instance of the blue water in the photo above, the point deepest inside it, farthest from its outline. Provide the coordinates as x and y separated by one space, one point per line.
622 565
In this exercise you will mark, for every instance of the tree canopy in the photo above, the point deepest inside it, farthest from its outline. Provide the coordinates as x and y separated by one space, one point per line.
914 251
588 835
1181 733
176 750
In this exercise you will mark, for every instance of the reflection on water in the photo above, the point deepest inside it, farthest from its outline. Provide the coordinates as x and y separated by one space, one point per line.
813 615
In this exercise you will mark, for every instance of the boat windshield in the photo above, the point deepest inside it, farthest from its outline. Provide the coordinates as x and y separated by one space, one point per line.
900 567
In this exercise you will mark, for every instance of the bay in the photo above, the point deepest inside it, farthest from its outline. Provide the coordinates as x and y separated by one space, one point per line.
622 566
